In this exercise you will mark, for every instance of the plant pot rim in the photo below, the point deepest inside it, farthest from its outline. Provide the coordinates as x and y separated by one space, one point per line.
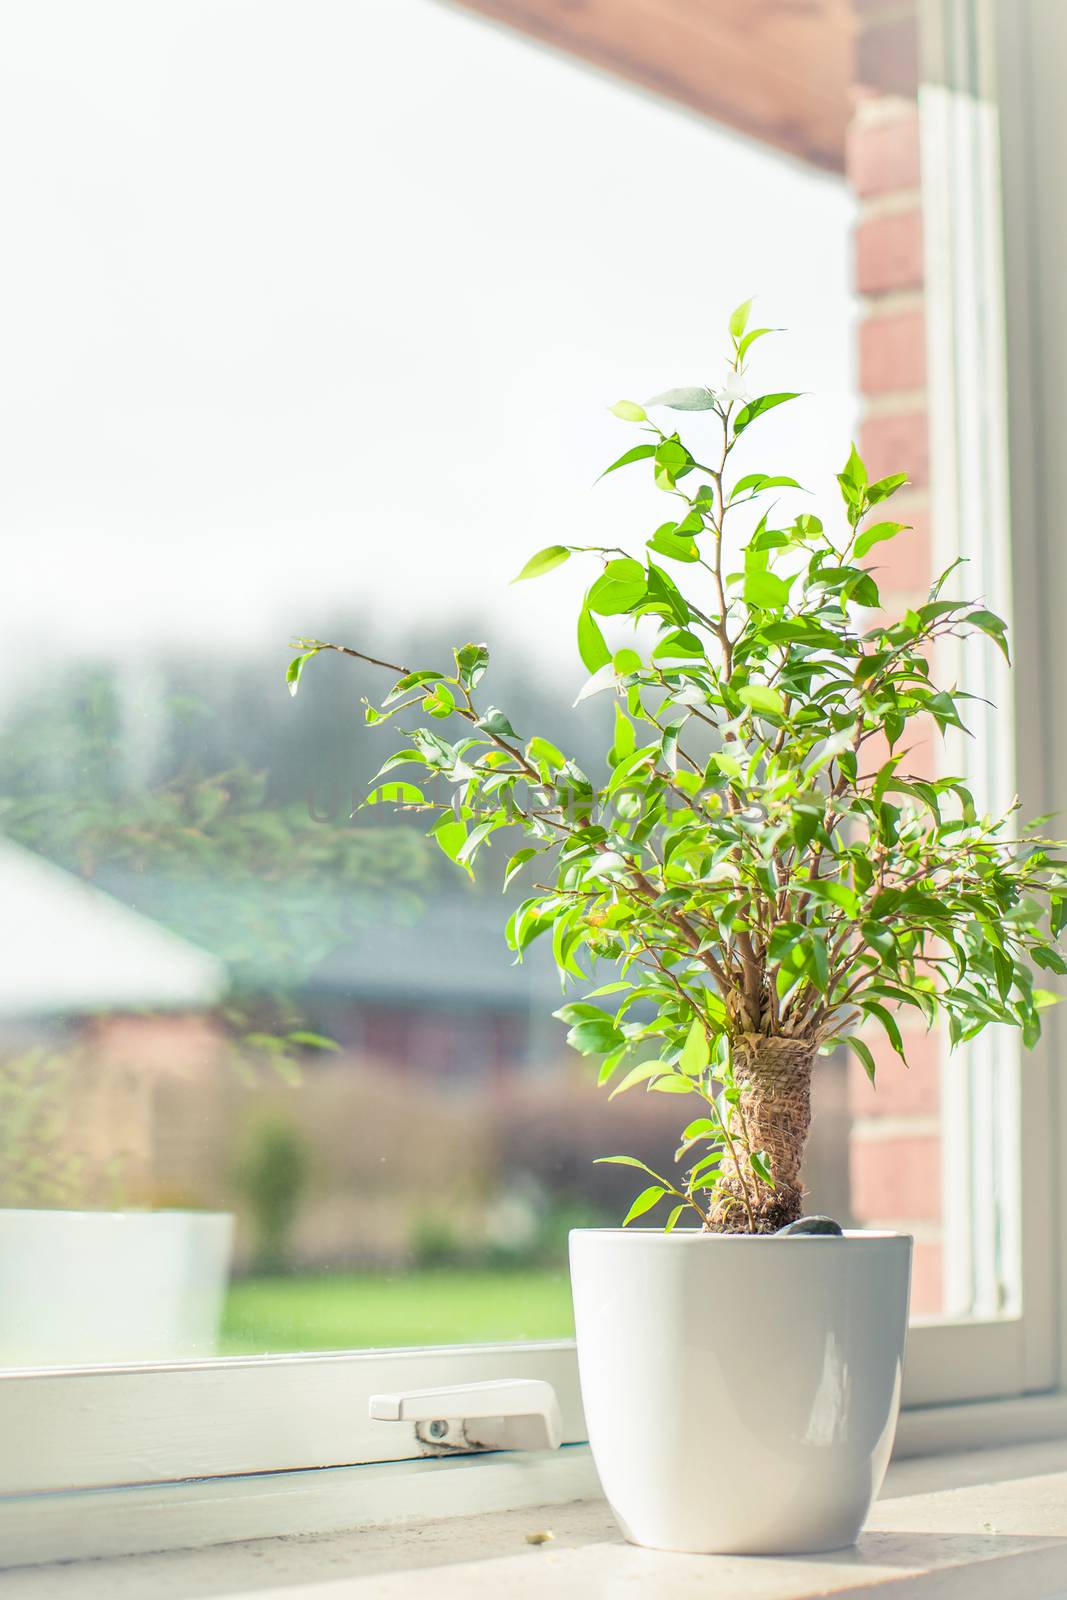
688 1236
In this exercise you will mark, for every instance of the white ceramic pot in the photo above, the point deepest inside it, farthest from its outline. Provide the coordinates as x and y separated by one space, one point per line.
85 1288
741 1393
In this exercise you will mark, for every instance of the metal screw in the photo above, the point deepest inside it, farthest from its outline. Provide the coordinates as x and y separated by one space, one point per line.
437 1430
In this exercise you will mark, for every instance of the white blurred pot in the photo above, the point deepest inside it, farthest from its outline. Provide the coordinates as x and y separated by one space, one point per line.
741 1393
82 1288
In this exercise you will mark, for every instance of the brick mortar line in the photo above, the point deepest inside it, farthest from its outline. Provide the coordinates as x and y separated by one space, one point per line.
882 110
921 1230
894 303
910 1028
895 403
883 15
896 203
904 600
911 498
879 1130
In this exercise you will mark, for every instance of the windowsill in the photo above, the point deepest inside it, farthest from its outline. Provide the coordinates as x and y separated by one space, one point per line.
982 1523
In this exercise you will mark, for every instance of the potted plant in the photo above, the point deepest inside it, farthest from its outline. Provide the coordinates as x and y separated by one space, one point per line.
86 1277
762 874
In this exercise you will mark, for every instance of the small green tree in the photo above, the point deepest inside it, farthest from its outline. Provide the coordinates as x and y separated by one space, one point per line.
273 1176
761 870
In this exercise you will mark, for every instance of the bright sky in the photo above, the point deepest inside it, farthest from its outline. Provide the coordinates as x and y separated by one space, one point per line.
303 305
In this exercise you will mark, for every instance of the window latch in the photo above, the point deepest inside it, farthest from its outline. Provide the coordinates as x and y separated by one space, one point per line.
512 1414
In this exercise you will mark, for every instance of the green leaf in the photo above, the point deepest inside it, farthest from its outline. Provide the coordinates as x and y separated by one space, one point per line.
696 1052
603 678
496 722
739 318
624 737
545 753
889 1024
404 685
640 452
706 1173
441 702
761 1166
623 1161
853 477
679 645
518 860
677 546
757 482
471 662
312 1041
295 668
621 586
672 1220
745 345
756 408
698 399
994 627
728 765
703 1127
639 1074
837 894
395 794
592 646
872 536
760 697
451 836
553 555
767 590
609 865
884 487
476 837
674 1083
594 1038
863 1051
629 411
645 1201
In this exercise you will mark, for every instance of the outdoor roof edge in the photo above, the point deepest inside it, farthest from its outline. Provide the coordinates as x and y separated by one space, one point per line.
776 70
72 948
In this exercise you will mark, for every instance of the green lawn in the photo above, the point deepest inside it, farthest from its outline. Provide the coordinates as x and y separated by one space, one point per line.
367 1310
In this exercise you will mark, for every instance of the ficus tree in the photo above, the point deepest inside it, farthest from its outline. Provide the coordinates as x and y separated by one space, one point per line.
760 874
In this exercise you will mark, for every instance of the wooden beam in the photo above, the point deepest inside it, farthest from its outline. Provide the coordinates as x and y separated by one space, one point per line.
778 70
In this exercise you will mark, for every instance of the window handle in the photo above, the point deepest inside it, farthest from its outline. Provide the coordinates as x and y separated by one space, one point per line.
512 1414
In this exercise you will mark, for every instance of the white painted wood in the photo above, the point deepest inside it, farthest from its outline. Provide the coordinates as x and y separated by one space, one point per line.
98 1428
932 1431
1031 40
196 1515
156 1424
267 1414
68 1524
949 1362
998 1156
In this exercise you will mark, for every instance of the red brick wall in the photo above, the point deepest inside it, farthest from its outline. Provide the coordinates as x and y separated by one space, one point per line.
895 1147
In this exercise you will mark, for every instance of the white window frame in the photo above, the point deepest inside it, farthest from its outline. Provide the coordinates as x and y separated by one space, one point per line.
98 1461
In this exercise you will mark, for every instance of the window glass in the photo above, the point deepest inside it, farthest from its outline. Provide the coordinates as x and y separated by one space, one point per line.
311 321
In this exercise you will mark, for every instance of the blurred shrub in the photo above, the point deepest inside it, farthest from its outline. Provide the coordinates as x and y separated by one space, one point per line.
272 1176
435 1242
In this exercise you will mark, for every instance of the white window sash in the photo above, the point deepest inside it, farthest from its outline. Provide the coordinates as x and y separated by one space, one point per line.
97 1428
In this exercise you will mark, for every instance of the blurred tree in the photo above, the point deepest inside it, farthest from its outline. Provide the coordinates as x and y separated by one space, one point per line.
272 1175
